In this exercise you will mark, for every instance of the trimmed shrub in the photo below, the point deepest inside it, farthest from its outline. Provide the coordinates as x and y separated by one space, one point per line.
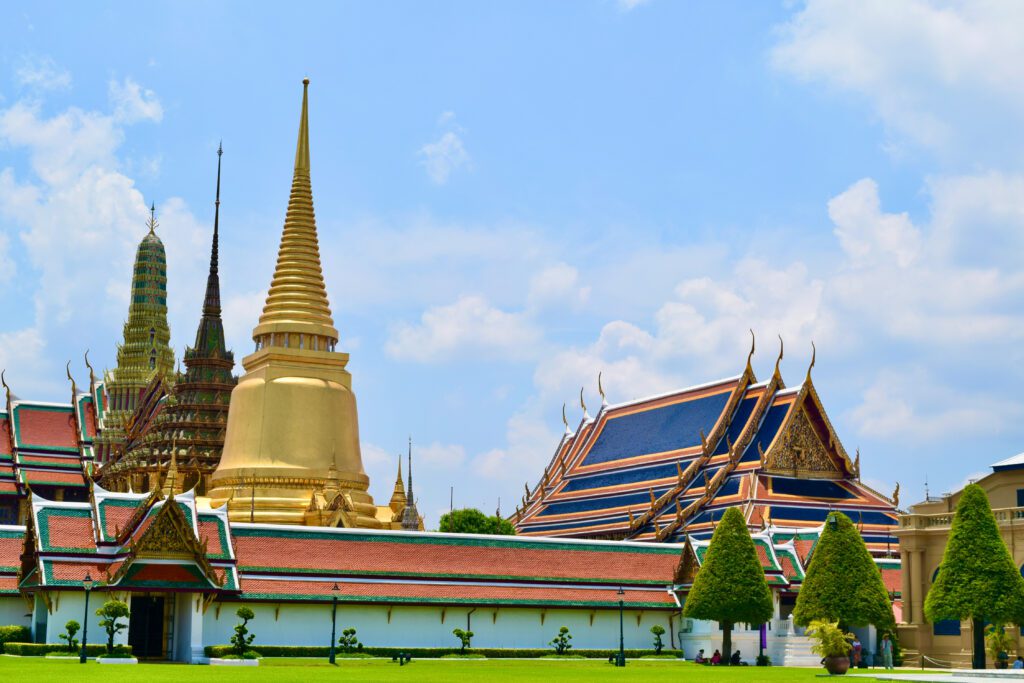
658 630
472 521
843 583
111 611
119 652
561 641
14 634
977 579
242 638
464 637
348 641
730 587
426 652
41 649
71 628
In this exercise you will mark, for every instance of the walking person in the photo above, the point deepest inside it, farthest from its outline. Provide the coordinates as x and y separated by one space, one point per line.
886 651
856 652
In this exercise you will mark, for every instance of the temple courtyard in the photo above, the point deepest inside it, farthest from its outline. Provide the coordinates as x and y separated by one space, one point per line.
423 671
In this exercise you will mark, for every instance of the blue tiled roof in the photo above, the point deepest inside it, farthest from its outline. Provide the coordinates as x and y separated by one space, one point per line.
739 421
601 503
577 524
819 514
810 488
731 487
657 430
769 426
698 481
626 476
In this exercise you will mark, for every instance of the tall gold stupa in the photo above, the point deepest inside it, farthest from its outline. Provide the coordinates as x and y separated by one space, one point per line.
291 452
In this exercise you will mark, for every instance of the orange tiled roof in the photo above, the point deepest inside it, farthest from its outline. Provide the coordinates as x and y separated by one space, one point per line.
11 542
356 554
45 427
5 436
451 593
52 477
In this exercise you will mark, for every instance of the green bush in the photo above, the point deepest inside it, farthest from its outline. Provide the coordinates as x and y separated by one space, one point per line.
242 638
658 630
464 637
111 611
71 628
14 634
466 656
119 652
41 649
561 641
843 583
426 652
730 587
348 641
248 654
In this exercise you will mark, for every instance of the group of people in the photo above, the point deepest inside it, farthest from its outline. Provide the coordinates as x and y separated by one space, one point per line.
716 659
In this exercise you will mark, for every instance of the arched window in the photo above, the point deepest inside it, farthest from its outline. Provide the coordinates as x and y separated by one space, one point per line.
152 361
152 336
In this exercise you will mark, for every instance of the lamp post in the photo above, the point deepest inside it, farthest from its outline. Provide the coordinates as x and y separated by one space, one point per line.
621 659
334 618
87 585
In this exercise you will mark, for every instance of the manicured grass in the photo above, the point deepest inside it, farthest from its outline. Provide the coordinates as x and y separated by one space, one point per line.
372 671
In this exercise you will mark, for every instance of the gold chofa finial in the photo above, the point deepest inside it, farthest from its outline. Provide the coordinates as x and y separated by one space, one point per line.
753 345
152 224
583 404
782 350
565 420
814 356
600 390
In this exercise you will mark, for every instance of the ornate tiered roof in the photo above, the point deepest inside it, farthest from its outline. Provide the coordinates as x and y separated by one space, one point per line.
145 354
667 466
192 419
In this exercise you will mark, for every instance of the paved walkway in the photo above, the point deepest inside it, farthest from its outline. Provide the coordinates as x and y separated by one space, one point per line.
947 676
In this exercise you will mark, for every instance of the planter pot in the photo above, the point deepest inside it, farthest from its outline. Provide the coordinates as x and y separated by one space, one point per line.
118 660
216 661
837 666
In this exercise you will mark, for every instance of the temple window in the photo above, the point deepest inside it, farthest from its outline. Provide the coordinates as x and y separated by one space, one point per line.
152 336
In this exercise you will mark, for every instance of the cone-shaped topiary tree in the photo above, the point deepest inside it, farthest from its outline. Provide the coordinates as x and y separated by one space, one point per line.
843 583
977 579
730 587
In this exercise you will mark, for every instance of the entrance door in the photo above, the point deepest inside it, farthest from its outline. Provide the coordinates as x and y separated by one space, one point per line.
146 627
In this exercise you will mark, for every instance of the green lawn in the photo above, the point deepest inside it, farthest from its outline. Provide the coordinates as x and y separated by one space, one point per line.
372 671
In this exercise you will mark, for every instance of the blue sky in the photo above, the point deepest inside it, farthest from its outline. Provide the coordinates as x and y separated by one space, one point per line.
514 196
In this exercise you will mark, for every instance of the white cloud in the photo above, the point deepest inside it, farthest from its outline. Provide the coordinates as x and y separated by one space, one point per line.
133 103
470 324
866 234
444 156
557 286
909 405
41 73
438 455
942 75
629 5
447 154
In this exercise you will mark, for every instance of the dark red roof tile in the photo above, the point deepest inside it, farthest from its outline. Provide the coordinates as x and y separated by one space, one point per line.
45 427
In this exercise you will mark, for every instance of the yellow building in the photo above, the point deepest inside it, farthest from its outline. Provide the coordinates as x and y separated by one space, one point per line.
923 532
291 451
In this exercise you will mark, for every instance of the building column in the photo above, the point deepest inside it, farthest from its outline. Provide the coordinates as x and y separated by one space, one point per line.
197 653
916 558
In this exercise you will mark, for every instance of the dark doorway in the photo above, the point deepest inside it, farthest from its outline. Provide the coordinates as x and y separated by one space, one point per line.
146 627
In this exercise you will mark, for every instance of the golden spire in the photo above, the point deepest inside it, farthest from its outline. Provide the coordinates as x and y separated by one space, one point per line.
297 300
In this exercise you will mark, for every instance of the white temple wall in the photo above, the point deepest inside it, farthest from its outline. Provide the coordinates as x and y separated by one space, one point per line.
305 624
13 611
67 605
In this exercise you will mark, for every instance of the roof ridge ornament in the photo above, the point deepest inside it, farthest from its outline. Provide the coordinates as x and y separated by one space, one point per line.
583 404
565 420
600 390
151 223
753 346
782 350
814 356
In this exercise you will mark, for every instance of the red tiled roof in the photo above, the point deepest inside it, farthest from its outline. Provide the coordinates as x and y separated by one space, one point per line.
49 460
38 427
171 573
356 555
5 436
210 532
440 592
9 584
803 549
52 477
788 568
8 487
90 420
60 531
10 549
892 578
74 572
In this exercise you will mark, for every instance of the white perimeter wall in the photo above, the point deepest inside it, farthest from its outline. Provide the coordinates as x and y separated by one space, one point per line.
13 610
301 624
67 605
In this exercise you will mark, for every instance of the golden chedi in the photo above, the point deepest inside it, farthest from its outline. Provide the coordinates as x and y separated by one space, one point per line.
292 442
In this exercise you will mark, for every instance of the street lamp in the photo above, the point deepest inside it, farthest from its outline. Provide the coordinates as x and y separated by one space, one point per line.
334 618
621 659
87 585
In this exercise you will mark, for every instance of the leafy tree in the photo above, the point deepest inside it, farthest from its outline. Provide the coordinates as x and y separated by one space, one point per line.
242 638
977 579
464 638
658 630
843 583
348 640
111 611
72 627
830 639
561 641
730 586
472 521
